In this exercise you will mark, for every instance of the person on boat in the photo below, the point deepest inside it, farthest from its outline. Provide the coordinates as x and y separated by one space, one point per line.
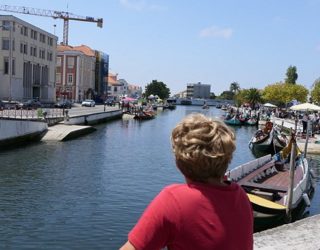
207 212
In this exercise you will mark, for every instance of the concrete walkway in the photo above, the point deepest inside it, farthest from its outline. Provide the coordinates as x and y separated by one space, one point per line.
313 143
300 235
62 132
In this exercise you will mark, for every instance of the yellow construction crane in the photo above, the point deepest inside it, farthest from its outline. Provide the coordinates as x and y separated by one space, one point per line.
66 16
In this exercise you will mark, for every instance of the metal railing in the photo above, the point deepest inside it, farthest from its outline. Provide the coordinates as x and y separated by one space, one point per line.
33 114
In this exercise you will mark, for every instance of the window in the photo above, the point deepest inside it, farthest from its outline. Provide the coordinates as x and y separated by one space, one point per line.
34 34
6 65
42 38
42 53
70 78
58 77
25 49
5 25
49 56
13 66
50 41
13 45
5 44
25 31
70 62
58 61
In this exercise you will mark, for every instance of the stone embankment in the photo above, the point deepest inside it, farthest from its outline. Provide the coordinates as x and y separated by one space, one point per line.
78 121
302 234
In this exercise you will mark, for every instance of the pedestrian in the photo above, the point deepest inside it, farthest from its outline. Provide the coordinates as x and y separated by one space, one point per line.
206 212
305 120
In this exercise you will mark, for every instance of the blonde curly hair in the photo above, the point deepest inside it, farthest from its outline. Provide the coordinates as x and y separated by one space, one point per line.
203 147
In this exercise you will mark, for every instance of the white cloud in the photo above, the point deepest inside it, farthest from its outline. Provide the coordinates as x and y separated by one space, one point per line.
215 31
139 5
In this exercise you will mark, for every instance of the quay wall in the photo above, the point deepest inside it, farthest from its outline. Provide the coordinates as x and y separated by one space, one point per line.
93 118
13 128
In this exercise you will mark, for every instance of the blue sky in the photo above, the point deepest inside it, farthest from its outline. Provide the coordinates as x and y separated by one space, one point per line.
252 42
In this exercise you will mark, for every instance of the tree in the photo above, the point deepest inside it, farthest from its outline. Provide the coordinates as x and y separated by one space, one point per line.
315 92
251 96
157 88
212 95
234 87
273 93
228 95
283 93
292 75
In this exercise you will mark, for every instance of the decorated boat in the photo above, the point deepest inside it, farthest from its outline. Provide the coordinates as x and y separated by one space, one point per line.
275 197
262 140
235 121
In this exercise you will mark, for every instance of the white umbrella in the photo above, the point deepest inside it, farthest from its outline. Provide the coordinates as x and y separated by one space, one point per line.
305 107
269 105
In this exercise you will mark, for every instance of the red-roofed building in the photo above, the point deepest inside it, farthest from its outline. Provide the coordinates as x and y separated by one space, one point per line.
81 73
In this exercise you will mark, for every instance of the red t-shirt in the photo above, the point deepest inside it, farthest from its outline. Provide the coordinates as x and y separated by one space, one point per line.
196 216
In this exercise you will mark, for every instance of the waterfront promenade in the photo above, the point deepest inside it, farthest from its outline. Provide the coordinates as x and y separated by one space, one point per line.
302 234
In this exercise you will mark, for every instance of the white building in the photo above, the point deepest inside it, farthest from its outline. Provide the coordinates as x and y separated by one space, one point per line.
27 61
198 90
134 91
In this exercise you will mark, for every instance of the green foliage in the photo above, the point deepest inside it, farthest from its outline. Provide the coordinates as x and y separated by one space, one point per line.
157 88
251 96
292 75
273 93
282 93
234 87
228 95
315 92
212 95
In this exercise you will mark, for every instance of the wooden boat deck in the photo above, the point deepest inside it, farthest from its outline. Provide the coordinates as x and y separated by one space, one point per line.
282 178
275 183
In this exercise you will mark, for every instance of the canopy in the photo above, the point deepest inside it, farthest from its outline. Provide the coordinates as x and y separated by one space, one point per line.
305 107
128 99
269 105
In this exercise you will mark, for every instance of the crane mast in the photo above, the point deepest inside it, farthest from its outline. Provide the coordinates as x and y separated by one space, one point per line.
66 16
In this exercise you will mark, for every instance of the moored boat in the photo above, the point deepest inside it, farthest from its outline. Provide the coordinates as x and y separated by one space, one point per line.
235 121
266 180
144 115
262 140
252 121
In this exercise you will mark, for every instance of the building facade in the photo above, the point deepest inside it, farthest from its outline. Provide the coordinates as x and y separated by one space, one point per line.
81 73
75 73
27 61
134 91
101 74
198 90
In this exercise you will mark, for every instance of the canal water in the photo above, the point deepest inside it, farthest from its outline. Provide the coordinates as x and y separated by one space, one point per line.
87 193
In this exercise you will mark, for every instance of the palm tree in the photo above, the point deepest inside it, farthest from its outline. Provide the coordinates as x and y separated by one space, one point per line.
253 96
234 87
